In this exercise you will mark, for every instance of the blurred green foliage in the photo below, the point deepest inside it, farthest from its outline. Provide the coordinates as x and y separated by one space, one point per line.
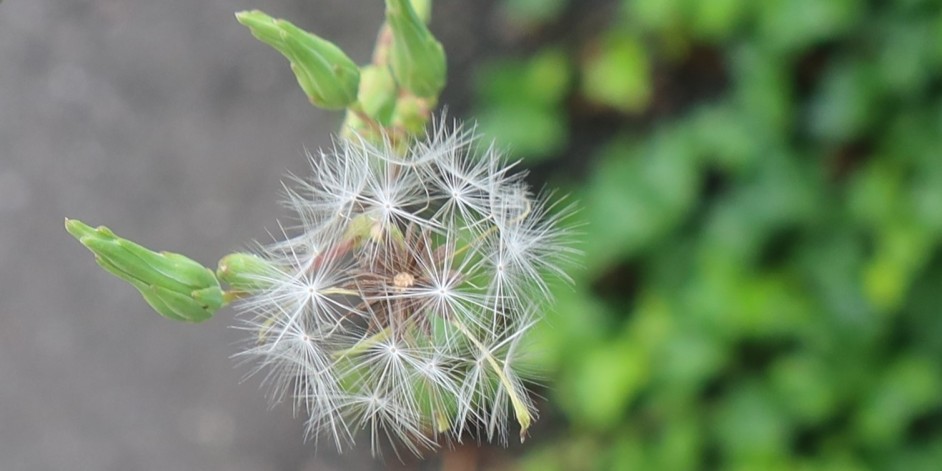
761 192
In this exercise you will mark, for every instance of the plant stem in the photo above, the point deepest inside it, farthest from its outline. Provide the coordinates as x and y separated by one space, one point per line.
362 345
520 408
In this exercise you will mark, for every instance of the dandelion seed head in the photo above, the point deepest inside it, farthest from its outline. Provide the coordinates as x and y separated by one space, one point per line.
397 303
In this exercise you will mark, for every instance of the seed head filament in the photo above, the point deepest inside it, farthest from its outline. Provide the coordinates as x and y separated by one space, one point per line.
402 306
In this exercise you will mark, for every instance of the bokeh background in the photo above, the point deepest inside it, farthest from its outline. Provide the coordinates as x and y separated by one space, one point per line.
761 194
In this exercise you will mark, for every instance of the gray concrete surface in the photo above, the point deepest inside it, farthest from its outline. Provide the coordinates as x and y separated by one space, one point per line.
168 122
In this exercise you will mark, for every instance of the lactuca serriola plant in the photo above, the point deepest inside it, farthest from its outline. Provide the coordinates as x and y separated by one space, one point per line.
401 303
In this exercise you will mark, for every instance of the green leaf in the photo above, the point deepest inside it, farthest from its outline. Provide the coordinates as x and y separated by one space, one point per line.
750 427
617 74
637 194
845 104
533 12
910 386
605 380
530 132
716 19
543 80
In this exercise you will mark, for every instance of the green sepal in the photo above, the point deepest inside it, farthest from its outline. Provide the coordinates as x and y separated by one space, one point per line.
355 126
416 57
210 298
327 75
178 306
412 114
158 303
174 285
360 228
378 93
423 9
246 272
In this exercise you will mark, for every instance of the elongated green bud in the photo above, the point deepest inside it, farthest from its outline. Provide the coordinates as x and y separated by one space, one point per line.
378 93
246 272
175 286
416 57
423 9
328 77
178 306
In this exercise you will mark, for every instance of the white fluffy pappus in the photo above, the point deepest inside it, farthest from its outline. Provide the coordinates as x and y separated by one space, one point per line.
398 305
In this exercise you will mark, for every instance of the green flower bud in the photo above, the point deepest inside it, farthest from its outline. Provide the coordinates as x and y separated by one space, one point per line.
378 93
175 286
178 306
328 77
246 272
423 9
355 126
416 57
412 114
